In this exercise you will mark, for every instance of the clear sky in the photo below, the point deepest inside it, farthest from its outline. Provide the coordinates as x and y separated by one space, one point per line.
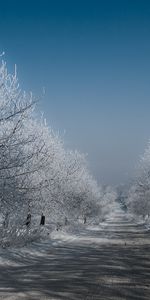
93 60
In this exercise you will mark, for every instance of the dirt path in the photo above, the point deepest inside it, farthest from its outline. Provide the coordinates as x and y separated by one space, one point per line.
109 262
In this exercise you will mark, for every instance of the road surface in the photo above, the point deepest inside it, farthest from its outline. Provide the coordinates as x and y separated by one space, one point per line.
111 261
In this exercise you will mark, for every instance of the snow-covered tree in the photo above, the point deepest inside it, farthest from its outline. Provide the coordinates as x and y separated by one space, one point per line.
108 196
138 200
37 174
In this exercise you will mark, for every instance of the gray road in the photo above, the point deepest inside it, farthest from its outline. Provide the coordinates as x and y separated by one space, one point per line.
112 262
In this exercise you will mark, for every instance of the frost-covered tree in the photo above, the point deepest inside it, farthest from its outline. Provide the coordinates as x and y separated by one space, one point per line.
108 196
23 150
15 111
37 174
138 201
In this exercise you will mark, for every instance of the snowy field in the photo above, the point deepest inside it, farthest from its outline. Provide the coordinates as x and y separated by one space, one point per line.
109 261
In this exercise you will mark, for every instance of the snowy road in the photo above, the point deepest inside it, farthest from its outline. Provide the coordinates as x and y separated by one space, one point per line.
107 262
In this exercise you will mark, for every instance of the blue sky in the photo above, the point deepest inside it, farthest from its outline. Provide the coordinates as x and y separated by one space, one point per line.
93 60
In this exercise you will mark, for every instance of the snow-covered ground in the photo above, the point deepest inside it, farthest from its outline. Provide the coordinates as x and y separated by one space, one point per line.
109 261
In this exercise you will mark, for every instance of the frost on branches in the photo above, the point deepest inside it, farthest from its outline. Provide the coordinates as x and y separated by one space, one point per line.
37 174
138 200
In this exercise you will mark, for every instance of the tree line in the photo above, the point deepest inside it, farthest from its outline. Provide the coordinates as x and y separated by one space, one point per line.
37 174
138 196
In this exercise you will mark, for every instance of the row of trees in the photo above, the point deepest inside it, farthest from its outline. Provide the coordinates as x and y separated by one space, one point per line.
37 174
138 200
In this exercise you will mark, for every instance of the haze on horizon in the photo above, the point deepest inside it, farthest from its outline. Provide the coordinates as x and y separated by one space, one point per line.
92 59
